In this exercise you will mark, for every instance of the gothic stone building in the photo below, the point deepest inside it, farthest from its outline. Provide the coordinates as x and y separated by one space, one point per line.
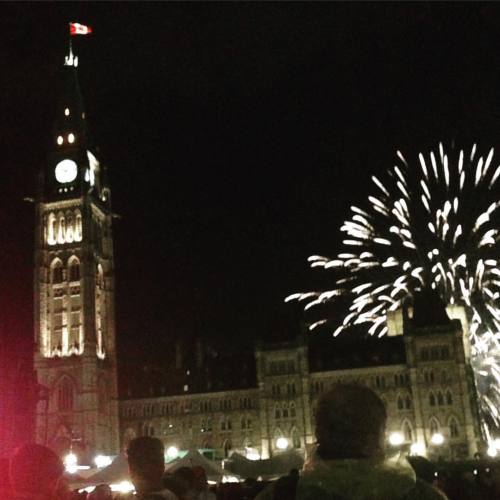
422 373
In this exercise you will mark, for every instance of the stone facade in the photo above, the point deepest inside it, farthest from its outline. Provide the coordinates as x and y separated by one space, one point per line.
431 393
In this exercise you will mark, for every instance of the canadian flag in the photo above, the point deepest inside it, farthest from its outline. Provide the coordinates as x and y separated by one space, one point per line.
79 29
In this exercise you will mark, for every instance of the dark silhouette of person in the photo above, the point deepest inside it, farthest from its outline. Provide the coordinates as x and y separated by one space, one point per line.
146 461
36 473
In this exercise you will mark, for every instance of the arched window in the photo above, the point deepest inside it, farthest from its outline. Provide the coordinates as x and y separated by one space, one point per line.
432 399
243 423
449 398
440 399
293 412
277 412
408 402
407 431
285 410
400 403
74 269
56 272
295 438
51 229
433 425
453 425
65 395
77 233
209 424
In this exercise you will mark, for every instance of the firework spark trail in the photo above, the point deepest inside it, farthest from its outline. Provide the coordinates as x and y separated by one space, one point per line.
430 223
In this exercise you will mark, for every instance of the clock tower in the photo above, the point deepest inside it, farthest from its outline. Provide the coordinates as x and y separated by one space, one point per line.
75 353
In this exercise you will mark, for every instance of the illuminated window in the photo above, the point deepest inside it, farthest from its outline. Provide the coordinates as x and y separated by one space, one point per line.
77 233
71 138
66 112
60 139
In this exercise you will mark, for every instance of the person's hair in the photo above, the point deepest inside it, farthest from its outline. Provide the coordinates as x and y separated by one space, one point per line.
34 468
101 491
350 423
146 456
186 474
175 484
424 469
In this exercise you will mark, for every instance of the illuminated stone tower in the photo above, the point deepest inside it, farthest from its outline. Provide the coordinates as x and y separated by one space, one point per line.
75 356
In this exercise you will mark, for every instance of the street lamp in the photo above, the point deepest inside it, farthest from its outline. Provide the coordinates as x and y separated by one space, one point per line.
172 452
282 443
102 461
492 451
437 439
71 462
417 449
396 439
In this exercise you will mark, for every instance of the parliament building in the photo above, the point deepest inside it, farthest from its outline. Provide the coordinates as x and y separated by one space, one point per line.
263 403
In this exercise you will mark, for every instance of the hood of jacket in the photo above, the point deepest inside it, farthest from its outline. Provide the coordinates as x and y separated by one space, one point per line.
358 479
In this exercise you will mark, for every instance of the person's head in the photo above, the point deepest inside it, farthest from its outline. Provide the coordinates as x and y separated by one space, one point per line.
101 492
35 469
350 423
424 469
200 477
175 484
187 476
146 461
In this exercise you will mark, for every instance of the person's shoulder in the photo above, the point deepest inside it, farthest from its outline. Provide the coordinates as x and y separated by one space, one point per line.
424 491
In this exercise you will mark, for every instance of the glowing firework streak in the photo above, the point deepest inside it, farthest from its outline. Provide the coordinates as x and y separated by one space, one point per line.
431 223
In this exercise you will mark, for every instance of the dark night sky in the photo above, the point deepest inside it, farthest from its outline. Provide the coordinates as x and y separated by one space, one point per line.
236 136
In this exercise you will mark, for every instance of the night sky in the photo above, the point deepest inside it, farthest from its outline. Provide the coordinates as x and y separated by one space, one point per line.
236 137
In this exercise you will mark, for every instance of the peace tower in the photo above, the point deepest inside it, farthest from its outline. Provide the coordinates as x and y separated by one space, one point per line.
75 358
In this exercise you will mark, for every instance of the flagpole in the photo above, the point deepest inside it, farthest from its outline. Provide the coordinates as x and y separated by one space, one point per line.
70 41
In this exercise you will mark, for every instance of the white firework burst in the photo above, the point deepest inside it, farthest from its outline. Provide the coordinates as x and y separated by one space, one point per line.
433 222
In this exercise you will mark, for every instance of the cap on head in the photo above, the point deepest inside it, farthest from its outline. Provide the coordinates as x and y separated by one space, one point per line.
350 423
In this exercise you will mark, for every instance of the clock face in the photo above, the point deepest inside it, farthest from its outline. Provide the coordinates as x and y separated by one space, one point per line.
66 171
